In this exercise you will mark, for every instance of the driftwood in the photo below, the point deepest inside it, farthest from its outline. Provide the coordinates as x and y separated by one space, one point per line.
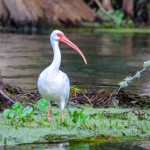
32 12
104 98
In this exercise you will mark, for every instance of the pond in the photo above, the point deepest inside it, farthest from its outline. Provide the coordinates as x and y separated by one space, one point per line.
111 57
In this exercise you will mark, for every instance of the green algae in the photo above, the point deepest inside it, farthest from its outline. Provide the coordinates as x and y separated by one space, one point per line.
103 125
122 30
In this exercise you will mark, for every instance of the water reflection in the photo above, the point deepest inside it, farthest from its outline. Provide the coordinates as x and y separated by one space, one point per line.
111 57
82 146
56 146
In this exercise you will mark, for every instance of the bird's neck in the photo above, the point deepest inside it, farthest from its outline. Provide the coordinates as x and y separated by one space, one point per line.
57 55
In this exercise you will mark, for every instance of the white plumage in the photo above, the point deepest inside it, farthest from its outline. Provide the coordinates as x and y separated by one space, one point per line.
53 84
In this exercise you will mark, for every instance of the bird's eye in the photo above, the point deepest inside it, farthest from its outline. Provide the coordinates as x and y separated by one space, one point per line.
59 34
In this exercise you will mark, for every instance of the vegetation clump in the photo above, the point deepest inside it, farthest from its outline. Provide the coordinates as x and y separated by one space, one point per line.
19 116
20 122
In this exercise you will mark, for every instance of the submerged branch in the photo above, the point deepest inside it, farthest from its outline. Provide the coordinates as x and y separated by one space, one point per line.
88 99
2 94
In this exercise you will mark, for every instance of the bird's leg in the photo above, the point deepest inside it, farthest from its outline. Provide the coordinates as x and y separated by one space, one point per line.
49 113
62 106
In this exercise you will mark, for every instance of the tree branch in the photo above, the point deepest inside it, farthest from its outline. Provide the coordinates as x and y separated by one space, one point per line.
103 10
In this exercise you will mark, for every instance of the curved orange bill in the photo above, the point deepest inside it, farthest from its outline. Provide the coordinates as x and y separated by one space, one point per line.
68 42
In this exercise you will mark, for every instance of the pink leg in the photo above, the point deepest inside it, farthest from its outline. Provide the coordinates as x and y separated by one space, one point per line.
62 115
49 113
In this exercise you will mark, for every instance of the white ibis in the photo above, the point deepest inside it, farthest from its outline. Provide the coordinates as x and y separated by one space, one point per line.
53 84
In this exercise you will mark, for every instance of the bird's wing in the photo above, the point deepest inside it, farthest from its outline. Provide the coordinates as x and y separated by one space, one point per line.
65 84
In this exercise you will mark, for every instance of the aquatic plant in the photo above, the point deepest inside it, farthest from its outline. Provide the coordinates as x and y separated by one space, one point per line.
106 121
19 115
81 121
118 16
41 108
78 117
42 104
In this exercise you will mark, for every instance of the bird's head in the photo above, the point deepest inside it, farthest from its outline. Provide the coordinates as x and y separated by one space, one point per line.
59 36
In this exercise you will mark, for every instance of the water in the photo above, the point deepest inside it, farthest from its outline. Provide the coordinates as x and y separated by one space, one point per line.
111 57
83 146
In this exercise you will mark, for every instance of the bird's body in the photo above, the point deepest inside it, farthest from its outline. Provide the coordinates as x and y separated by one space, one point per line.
53 84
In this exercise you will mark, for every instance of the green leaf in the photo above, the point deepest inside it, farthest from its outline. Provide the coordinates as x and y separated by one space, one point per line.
56 113
78 117
27 111
70 111
8 113
17 106
75 116
12 114
84 118
65 123
42 104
